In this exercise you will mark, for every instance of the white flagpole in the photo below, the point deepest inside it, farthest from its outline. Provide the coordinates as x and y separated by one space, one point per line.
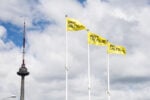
108 78
66 67
89 71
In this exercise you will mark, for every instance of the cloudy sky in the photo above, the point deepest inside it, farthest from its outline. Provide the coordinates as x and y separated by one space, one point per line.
122 22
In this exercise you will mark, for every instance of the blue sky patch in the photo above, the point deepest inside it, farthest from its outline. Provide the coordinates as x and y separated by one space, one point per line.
14 33
41 24
82 2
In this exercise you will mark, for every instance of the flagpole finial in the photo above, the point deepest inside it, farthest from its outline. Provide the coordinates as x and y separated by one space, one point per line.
87 30
66 15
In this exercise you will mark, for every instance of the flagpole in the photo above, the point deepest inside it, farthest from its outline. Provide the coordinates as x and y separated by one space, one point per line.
66 67
108 78
89 70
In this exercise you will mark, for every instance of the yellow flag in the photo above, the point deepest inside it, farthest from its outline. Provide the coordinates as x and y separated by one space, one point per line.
74 25
113 49
96 39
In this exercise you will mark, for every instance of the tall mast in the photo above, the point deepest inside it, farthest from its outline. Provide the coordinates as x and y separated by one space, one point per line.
23 70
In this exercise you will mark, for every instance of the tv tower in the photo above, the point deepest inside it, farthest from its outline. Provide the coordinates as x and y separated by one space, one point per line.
23 70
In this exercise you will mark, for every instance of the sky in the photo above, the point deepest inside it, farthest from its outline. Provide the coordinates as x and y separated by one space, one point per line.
122 22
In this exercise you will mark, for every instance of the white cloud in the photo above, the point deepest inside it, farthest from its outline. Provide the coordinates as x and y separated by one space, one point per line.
2 31
45 56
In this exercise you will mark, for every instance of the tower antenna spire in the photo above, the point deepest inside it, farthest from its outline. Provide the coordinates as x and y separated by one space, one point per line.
23 70
24 41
